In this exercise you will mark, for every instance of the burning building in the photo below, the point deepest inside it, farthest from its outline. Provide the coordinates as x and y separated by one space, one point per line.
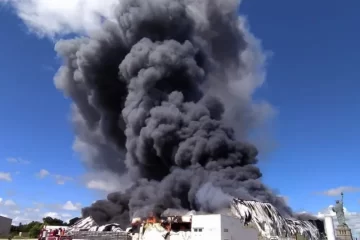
262 217
250 218
209 226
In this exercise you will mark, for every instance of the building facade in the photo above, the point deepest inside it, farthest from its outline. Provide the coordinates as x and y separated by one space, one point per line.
5 225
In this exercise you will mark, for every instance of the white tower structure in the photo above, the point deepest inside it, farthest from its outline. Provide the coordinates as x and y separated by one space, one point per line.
329 228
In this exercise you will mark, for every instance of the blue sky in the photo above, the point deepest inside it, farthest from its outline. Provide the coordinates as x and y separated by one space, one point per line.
312 80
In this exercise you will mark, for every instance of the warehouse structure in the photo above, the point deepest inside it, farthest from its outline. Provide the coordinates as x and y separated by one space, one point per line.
5 225
255 220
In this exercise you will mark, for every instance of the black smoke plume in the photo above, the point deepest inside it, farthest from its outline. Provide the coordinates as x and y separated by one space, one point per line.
150 95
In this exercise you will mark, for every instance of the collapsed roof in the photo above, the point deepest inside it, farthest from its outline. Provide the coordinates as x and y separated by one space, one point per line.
83 224
89 224
269 221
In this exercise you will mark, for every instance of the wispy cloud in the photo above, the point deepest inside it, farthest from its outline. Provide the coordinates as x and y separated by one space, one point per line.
60 179
17 160
37 211
9 203
5 176
337 191
16 212
43 173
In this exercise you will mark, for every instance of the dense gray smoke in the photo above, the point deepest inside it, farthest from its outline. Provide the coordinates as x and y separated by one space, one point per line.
151 102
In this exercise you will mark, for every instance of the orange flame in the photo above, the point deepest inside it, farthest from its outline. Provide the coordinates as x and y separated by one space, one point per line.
151 220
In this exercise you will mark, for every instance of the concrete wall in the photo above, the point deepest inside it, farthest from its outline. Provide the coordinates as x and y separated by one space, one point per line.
5 225
220 227
206 227
232 228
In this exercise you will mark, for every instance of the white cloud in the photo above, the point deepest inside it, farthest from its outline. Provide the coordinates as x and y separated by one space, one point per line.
352 218
71 207
38 211
43 173
60 179
32 209
51 214
16 212
337 191
59 17
63 216
17 160
9 203
8 207
22 219
5 176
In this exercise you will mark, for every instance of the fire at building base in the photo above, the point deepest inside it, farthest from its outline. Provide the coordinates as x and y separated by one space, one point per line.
245 220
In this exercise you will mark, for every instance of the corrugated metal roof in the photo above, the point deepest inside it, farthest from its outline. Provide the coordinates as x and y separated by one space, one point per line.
270 222
88 224
83 224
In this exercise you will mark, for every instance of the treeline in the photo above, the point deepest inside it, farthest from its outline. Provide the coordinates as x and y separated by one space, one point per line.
33 228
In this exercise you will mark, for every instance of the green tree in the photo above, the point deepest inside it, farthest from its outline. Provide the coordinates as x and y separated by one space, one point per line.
35 230
14 229
31 225
20 227
53 221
